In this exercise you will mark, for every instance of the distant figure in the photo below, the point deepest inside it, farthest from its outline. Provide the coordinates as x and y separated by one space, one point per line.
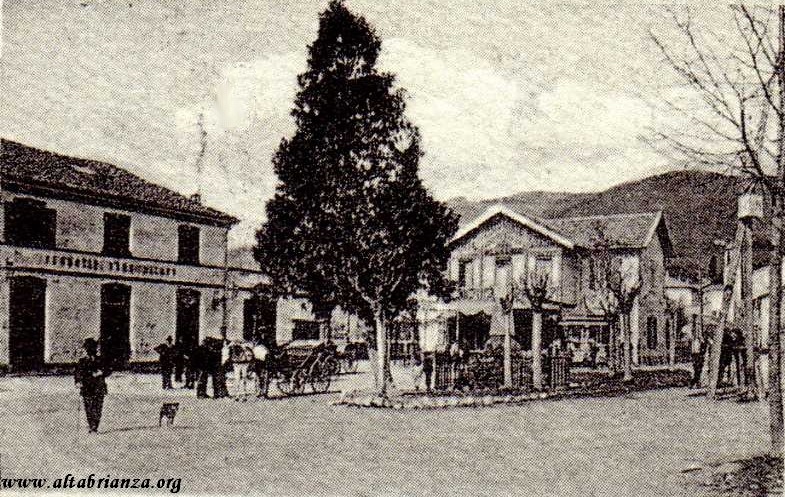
90 377
200 368
417 371
698 350
178 359
241 357
427 369
726 358
220 359
260 355
189 371
166 362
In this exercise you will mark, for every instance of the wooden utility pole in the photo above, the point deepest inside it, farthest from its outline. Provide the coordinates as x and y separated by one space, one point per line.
727 295
775 274
748 322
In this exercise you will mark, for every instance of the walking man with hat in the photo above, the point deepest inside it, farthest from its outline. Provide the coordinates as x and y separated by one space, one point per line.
90 377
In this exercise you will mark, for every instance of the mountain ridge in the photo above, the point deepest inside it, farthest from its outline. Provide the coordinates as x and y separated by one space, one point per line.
699 208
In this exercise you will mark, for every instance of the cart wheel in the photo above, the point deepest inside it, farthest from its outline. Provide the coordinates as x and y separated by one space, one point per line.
349 365
320 377
298 382
284 385
332 366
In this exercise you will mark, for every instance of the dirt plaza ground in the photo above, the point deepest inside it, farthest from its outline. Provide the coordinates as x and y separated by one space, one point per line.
638 444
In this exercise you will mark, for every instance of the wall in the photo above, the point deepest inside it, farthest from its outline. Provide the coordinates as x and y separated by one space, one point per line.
652 297
286 312
502 235
81 227
73 313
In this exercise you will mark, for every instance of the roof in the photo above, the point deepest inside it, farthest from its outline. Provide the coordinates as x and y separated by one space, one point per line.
624 231
633 231
529 221
91 181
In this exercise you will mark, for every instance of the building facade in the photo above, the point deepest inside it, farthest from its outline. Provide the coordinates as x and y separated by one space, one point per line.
89 250
497 251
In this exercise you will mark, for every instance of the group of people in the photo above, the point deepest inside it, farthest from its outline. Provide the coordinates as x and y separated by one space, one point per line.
732 351
211 360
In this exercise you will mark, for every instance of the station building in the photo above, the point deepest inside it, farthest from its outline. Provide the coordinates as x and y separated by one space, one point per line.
88 249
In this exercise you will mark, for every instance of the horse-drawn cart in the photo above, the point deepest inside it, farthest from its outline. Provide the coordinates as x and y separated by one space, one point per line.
301 363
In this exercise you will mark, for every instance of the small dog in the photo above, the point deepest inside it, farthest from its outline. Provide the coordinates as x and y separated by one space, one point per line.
168 411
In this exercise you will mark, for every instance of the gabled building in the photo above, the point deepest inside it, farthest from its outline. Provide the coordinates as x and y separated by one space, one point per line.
88 249
492 253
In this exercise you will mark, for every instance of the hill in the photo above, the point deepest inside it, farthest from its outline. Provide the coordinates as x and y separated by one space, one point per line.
699 207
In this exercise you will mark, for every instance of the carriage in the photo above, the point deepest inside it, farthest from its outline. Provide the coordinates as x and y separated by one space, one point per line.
304 362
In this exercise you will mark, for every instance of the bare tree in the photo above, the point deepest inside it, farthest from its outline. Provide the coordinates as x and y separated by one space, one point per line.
739 85
537 289
618 288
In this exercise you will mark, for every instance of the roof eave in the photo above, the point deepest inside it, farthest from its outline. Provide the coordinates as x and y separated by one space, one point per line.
519 218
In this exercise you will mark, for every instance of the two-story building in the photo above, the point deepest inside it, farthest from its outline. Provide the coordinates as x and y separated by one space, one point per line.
494 253
88 249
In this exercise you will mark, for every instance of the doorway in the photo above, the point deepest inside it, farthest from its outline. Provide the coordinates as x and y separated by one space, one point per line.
27 307
115 324
187 325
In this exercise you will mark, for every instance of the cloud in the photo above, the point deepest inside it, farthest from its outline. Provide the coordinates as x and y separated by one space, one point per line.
487 132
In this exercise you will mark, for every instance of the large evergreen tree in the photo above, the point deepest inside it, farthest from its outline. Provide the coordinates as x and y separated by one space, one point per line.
351 223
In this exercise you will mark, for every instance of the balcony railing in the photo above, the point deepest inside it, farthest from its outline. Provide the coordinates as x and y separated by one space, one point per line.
83 263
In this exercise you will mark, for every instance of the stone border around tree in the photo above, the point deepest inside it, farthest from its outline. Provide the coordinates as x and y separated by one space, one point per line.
358 399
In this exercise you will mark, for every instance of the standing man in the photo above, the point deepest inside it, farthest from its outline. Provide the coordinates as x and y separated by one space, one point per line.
697 350
241 356
260 353
427 369
90 377
165 362
178 359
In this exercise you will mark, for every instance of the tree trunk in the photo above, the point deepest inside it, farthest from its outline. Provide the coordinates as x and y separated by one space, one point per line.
775 324
625 335
537 350
747 314
672 333
381 352
775 275
508 352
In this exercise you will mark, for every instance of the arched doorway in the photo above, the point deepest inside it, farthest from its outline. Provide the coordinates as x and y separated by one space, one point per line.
115 336
27 311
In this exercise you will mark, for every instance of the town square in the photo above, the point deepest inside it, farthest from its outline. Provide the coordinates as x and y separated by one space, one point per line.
374 248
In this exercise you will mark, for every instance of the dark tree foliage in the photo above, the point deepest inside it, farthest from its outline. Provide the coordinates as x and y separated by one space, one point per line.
351 223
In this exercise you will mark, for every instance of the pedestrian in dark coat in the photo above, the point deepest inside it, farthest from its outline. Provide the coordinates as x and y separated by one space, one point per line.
178 359
200 369
166 362
188 364
90 377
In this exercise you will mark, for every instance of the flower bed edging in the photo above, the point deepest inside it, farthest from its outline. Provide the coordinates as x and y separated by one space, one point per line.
363 399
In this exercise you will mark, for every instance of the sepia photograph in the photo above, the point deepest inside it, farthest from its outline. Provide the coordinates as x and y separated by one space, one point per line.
378 248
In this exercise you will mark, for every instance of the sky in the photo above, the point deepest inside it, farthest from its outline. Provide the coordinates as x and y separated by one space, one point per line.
508 96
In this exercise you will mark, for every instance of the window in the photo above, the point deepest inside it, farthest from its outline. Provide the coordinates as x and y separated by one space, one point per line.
462 273
188 244
28 223
592 274
305 330
652 339
543 266
117 229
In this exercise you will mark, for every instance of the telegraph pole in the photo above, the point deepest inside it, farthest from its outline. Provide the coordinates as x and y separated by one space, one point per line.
775 274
